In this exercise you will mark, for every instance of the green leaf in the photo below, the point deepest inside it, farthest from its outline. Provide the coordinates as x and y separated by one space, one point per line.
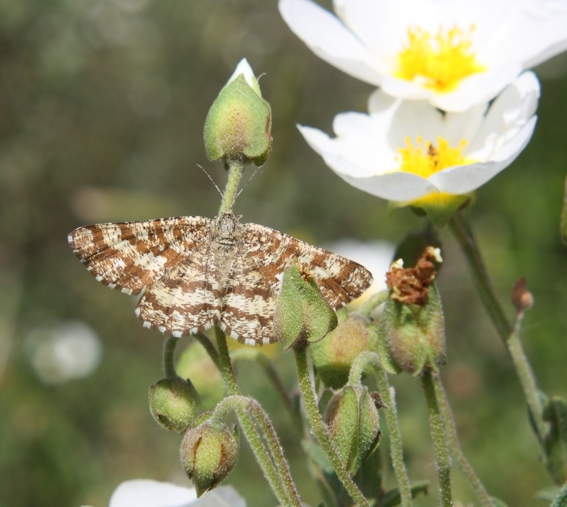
392 497
369 477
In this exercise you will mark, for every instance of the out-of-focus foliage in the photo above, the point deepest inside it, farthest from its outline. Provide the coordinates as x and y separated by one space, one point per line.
102 106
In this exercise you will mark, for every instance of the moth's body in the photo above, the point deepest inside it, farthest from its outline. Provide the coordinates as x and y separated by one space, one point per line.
194 272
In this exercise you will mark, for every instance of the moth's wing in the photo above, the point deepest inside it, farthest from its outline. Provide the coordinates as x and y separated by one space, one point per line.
130 256
248 302
340 279
186 299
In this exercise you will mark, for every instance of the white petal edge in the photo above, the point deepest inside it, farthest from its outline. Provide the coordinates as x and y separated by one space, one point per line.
330 39
149 493
464 179
393 185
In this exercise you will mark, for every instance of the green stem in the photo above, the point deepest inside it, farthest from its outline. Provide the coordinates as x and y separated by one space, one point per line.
235 170
372 303
209 348
509 335
278 475
388 397
319 428
453 439
243 404
437 431
527 379
168 357
465 237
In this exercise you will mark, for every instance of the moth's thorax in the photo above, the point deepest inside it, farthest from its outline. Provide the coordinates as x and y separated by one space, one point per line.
226 235
226 231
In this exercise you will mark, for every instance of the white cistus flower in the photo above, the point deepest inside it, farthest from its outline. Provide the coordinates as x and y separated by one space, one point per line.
148 493
453 53
410 153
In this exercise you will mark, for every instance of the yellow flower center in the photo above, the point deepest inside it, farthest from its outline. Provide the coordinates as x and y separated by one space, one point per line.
425 159
440 60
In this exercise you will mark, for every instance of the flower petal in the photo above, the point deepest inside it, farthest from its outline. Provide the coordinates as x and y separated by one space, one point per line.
148 493
464 179
329 39
533 32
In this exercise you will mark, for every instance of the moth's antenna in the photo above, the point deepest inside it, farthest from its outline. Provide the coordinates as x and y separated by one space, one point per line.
249 180
213 181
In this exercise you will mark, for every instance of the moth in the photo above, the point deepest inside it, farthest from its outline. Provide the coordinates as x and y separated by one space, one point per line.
195 272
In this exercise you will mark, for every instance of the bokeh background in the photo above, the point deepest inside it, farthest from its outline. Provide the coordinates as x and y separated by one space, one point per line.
102 104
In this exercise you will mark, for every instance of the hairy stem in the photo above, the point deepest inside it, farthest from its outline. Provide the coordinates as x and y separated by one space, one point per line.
388 397
277 473
169 347
319 428
438 437
235 170
508 334
455 446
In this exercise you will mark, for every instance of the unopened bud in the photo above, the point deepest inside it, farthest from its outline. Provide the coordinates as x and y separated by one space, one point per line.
239 122
411 337
174 403
333 356
522 298
208 454
301 315
353 421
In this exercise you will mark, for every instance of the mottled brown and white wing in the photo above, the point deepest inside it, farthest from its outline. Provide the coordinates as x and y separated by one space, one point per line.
340 279
186 299
130 256
248 302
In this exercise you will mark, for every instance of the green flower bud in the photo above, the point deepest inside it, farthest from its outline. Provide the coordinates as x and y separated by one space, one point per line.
354 423
174 403
411 333
239 122
334 355
411 337
208 454
301 315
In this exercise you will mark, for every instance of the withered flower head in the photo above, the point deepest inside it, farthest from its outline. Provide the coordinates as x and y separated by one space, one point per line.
411 285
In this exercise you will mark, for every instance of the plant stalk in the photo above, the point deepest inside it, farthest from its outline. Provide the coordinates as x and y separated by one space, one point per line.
437 430
319 428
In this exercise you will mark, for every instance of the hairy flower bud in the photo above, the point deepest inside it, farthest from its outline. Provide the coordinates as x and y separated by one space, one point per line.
208 454
174 403
301 314
411 334
354 423
334 355
239 122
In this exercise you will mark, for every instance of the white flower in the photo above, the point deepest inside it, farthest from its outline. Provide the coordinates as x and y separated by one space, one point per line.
148 493
406 151
453 53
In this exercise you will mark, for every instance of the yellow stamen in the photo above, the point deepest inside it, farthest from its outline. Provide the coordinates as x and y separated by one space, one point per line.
440 60
425 159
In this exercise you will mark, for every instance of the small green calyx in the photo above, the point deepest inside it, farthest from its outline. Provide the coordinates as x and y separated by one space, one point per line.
411 334
174 403
208 454
238 125
301 315
352 418
334 355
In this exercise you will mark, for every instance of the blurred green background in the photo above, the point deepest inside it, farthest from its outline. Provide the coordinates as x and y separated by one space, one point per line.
102 104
